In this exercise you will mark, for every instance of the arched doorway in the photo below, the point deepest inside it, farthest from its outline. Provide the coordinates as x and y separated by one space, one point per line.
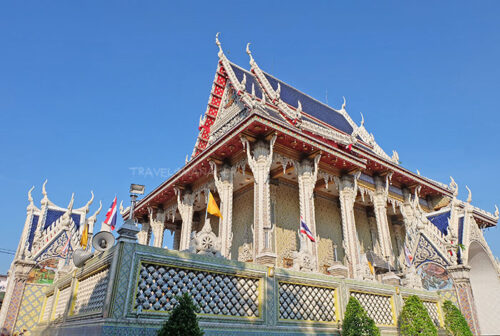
485 288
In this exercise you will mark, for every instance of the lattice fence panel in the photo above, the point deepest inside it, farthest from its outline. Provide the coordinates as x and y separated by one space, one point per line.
378 307
214 293
432 309
48 308
304 302
91 293
62 301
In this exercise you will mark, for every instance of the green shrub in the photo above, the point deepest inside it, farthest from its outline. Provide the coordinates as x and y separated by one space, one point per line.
454 321
415 320
357 322
182 321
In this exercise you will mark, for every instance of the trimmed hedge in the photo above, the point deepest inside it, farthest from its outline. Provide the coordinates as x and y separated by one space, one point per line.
182 321
357 322
454 321
415 320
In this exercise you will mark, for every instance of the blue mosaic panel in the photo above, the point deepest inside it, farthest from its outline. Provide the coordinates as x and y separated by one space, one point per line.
52 216
441 221
34 225
76 220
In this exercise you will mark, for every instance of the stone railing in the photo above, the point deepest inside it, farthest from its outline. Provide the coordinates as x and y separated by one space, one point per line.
134 287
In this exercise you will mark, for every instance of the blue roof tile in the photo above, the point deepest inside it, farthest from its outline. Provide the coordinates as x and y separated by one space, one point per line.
291 96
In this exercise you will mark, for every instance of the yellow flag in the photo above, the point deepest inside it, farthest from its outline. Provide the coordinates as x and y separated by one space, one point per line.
85 237
212 207
371 268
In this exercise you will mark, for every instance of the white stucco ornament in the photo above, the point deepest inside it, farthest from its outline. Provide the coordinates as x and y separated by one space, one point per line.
205 241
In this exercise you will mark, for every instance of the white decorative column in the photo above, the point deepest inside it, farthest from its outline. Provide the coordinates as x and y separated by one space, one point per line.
348 186
224 185
260 164
307 172
186 210
157 224
380 209
143 235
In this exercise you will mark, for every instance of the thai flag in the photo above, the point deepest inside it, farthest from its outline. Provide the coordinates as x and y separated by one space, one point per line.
111 215
305 230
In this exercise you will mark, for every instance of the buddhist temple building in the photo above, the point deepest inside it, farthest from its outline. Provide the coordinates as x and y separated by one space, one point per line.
313 211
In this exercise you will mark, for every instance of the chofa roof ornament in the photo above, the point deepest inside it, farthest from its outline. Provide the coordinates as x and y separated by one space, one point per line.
469 197
252 61
453 187
217 42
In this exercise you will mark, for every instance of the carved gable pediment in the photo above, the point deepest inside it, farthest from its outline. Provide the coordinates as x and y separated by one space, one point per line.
426 251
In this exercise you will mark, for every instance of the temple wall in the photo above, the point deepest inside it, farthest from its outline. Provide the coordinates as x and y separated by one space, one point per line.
363 229
329 229
287 221
257 302
242 222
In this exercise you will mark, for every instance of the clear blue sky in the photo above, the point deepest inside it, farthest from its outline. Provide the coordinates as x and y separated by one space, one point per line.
91 89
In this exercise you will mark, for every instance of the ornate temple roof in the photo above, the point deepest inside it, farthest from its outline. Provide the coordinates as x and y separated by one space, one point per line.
50 225
254 103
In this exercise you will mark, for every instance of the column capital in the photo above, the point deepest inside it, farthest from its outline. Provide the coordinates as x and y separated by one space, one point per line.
459 273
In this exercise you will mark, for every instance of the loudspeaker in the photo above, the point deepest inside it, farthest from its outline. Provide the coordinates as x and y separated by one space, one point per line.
80 257
103 241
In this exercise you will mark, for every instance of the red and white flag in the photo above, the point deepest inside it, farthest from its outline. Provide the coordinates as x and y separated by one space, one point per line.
111 215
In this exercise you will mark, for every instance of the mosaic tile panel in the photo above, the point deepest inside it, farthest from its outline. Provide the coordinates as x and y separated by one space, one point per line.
62 301
304 302
449 295
48 308
91 293
466 308
433 310
378 307
29 311
214 293
121 283
15 301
